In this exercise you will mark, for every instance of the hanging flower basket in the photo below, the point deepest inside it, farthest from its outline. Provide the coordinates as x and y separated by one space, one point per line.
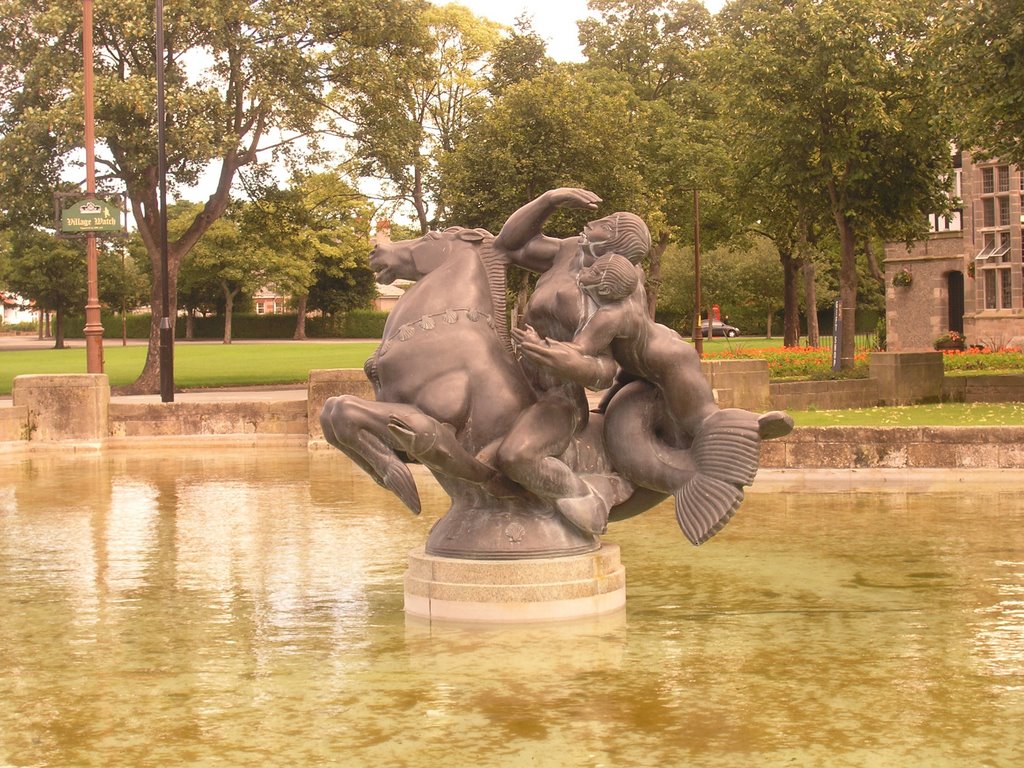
903 279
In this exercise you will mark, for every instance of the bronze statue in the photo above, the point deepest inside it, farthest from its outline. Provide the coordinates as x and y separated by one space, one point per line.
530 471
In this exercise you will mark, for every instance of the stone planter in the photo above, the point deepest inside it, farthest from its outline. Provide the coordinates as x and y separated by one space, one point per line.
943 345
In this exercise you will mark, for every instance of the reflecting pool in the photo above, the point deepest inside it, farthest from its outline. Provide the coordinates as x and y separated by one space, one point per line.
236 607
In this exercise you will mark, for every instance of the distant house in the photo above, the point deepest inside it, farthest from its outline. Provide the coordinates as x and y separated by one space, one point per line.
967 276
388 295
16 309
269 302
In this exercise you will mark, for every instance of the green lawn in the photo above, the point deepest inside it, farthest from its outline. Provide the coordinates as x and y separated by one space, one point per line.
941 414
196 365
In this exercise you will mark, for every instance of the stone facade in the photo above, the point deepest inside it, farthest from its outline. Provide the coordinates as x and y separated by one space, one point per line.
918 314
967 276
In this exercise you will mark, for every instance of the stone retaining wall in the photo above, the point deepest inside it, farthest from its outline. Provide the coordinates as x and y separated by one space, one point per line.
842 393
14 424
896 448
295 421
286 417
983 389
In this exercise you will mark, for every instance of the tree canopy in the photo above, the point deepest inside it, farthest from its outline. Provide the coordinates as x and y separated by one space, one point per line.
980 47
833 102
244 79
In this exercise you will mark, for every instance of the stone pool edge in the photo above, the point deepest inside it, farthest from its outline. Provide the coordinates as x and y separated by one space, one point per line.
76 412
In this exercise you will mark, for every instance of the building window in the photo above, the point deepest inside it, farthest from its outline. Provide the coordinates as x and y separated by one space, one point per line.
1004 178
1004 211
1006 294
988 212
990 289
260 309
988 185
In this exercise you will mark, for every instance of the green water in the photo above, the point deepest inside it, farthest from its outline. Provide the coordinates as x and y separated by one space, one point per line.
222 607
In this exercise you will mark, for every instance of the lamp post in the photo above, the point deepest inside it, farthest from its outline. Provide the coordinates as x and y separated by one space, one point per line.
93 325
698 335
166 328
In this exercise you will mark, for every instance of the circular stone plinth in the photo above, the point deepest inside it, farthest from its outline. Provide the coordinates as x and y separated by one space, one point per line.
534 589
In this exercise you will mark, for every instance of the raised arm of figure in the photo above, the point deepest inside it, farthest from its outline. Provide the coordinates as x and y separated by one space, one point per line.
521 238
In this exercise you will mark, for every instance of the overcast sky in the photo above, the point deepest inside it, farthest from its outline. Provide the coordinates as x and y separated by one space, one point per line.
554 20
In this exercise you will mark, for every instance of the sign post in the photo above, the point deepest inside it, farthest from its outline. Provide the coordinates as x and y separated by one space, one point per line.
93 324
837 336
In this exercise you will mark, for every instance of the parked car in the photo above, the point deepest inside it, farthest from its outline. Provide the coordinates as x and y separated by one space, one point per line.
719 328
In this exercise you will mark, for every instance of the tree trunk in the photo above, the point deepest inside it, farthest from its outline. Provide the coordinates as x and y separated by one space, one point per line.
417 200
768 324
300 321
653 283
145 211
190 325
58 332
148 382
811 303
790 299
847 277
229 304
847 289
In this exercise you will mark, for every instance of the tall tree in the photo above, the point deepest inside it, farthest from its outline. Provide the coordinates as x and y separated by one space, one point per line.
244 77
841 91
437 100
563 128
125 284
980 47
319 227
49 271
520 55
658 47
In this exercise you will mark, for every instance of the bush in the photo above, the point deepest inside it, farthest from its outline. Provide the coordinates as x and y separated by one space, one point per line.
357 324
138 326
28 325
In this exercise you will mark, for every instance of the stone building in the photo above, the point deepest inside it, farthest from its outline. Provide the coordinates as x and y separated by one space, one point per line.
967 276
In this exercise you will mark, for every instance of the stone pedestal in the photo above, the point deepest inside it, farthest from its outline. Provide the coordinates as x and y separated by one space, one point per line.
511 591
907 378
739 383
64 406
329 382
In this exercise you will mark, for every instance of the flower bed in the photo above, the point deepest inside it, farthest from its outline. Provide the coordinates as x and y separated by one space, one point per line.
974 359
794 363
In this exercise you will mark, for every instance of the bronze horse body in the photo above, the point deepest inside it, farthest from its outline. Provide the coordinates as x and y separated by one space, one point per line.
448 390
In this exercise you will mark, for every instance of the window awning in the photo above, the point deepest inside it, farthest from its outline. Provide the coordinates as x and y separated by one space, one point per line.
994 251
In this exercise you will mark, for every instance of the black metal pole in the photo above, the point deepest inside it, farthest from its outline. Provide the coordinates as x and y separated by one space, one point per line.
698 335
166 327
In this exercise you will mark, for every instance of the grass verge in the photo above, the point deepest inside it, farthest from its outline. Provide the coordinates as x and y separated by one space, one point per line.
196 365
937 415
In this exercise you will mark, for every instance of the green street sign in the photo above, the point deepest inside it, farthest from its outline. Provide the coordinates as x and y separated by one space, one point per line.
91 215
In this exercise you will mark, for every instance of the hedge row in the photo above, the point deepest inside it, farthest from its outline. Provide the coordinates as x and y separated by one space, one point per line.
358 324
